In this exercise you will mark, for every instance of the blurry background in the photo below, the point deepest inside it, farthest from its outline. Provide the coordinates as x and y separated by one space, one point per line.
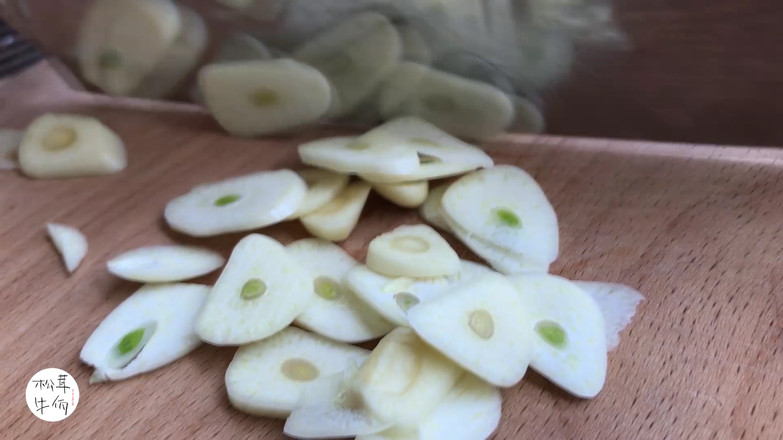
688 71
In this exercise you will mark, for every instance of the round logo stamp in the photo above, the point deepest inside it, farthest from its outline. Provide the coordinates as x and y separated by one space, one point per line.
52 394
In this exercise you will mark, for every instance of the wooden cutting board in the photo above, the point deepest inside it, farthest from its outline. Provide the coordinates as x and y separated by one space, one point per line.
697 229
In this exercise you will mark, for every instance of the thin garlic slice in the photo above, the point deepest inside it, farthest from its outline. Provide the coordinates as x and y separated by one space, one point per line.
415 251
405 194
569 342
470 411
505 207
153 327
348 155
260 292
414 47
322 187
337 219
499 259
258 97
404 379
431 210
267 378
355 56
460 106
69 242
393 297
122 42
483 326
618 304
335 311
237 204
61 145
165 264
328 408
180 58
440 154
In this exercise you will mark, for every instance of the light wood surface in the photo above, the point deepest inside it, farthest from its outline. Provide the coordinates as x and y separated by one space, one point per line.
697 229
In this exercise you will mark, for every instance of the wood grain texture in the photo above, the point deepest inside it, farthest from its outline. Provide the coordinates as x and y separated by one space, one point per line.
694 71
697 229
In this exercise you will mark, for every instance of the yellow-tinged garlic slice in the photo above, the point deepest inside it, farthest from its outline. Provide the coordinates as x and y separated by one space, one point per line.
322 187
267 377
60 145
179 59
121 42
405 194
258 97
415 251
337 219
404 379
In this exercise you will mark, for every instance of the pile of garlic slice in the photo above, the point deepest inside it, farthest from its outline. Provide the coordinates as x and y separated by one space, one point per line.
452 331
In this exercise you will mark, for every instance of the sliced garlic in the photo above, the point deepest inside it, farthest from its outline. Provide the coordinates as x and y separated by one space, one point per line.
414 48
69 242
460 106
328 408
322 187
506 208
267 378
470 411
120 43
355 56
180 58
618 304
260 292
335 311
337 219
405 194
59 145
528 117
163 264
431 210
404 379
570 338
483 326
499 259
9 147
393 297
241 47
150 329
348 155
237 204
440 154
399 87
258 97
412 251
